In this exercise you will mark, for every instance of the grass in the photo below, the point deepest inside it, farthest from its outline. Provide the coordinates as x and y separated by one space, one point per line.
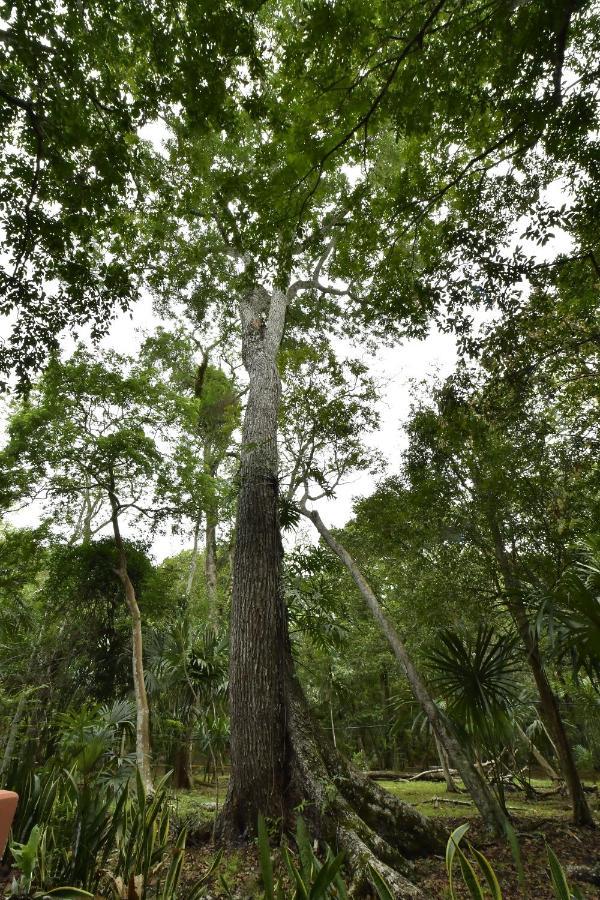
423 793
198 806
194 808
536 822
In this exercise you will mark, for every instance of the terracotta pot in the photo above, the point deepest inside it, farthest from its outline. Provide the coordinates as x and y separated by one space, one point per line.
8 805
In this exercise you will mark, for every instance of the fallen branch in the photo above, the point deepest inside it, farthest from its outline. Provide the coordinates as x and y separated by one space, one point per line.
436 774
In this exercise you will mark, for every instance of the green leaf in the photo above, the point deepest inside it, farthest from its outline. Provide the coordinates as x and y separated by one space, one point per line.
451 848
470 878
174 872
264 855
64 893
381 885
560 884
326 877
516 852
488 871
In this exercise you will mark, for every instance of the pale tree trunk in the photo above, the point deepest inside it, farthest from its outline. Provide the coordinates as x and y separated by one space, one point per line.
549 706
210 570
277 758
210 548
537 755
184 752
193 564
491 812
142 730
445 766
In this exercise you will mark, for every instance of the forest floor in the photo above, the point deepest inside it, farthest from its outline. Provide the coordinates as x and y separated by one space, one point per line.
538 824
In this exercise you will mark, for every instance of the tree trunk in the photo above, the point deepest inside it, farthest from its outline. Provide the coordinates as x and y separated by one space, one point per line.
258 628
388 760
551 712
445 766
548 700
277 760
193 565
537 755
184 775
491 812
142 730
210 569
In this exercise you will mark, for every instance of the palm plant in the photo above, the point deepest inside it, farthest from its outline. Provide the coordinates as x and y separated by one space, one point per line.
570 614
188 676
478 678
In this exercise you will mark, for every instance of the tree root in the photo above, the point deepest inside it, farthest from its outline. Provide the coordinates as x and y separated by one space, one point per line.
351 813
344 809
361 860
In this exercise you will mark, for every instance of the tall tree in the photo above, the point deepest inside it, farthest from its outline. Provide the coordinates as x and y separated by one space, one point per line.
87 426
503 489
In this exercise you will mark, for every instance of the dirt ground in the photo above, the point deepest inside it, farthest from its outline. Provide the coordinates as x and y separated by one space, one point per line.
538 825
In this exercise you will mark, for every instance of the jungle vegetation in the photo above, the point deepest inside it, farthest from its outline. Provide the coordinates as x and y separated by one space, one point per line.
285 189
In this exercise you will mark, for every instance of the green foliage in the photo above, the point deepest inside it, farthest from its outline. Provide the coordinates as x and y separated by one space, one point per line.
560 884
310 879
98 832
25 858
571 614
477 677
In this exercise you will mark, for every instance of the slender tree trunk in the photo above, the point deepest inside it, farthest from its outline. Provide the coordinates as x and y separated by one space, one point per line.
537 755
193 563
210 569
388 761
142 731
491 811
548 700
445 765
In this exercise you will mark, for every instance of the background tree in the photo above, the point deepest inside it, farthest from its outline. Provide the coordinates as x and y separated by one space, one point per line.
87 427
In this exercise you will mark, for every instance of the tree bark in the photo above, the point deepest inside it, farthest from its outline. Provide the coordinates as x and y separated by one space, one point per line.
193 565
142 730
550 709
184 774
492 814
258 627
277 760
